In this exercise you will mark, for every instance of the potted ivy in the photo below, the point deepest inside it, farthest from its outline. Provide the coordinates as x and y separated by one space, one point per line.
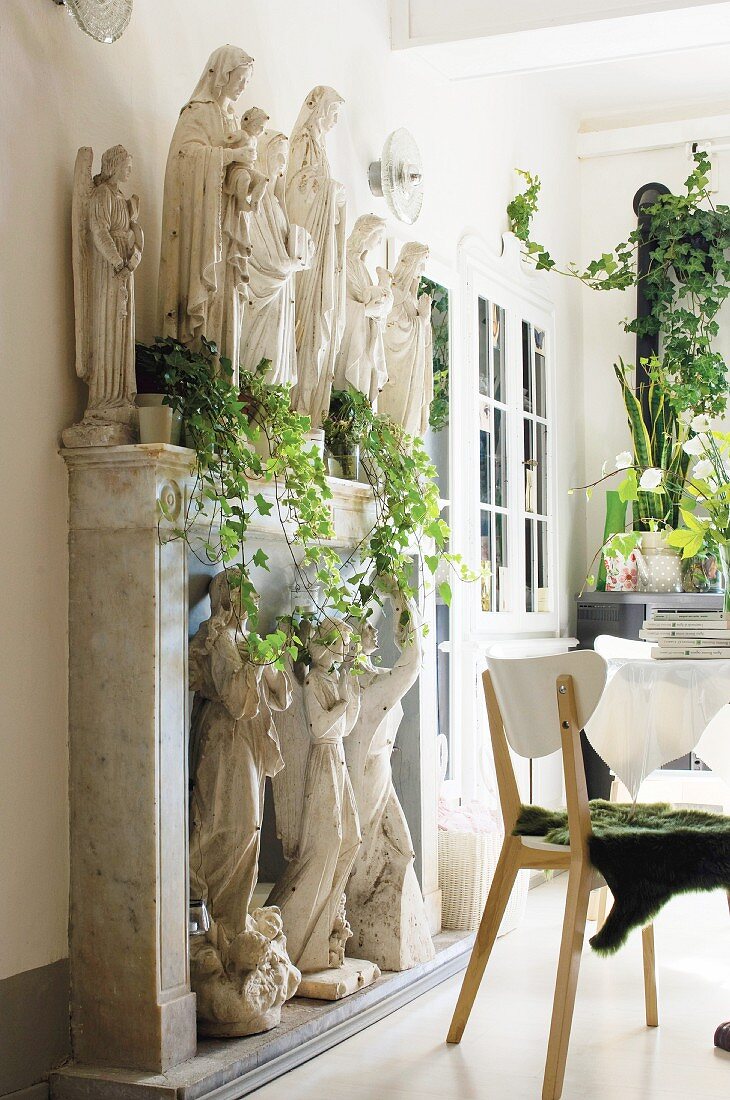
159 420
344 429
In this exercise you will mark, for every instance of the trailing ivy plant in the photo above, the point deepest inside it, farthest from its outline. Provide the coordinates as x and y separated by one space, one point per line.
687 281
242 438
438 416
407 503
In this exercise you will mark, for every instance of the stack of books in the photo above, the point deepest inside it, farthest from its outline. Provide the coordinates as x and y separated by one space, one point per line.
688 635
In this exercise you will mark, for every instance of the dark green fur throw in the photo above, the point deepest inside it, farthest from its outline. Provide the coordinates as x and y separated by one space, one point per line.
647 853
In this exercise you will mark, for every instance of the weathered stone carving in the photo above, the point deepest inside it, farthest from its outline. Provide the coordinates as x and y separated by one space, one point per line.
384 901
317 202
407 395
240 969
317 820
361 358
279 250
107 248
211 186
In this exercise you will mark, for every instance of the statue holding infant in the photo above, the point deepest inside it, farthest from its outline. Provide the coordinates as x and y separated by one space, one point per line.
211 188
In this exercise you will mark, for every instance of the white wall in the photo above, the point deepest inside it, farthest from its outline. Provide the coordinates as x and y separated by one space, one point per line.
61 90
608 186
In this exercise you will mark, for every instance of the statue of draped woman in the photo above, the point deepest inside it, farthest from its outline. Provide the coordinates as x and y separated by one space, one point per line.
317 202
385 905
316 801
361 359
278 251
205 238
107 248
240 969
407 395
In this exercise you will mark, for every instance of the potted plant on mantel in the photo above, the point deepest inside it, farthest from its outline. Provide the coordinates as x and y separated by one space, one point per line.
686 282
344 429
252 456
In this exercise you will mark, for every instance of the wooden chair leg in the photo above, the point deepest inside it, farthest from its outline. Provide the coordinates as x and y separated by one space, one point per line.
499 894
571 946
650 997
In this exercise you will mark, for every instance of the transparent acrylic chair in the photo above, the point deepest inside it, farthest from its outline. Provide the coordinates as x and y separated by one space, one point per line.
536 706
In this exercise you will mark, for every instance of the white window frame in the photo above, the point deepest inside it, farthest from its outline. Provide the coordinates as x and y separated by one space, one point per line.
507 282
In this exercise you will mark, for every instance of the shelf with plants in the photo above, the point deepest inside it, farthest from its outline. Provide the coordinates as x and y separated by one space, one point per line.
255 470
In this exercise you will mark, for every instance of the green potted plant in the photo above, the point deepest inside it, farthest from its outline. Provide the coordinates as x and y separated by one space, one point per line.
156 424
344 428
685 284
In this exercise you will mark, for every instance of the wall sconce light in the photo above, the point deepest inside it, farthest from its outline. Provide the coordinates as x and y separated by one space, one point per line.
398 176
103 20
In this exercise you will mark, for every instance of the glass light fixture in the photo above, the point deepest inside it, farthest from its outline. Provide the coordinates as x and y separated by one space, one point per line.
103 20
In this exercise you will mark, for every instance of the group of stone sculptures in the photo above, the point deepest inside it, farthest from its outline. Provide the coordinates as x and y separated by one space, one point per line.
254 258
325 735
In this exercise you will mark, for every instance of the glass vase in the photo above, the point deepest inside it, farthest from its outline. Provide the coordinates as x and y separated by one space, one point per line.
724 549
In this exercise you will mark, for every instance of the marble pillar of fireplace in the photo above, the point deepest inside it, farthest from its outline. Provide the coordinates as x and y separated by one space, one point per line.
131 1003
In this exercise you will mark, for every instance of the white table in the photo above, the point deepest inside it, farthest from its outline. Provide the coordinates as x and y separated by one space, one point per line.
652 712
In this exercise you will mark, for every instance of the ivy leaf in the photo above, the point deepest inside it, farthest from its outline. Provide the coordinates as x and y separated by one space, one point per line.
261 559
445 592
264 506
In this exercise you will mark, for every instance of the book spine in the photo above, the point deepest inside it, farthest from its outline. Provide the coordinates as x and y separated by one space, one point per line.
691 653
693 616
649 634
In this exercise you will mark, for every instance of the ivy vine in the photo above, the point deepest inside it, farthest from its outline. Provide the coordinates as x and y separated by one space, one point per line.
686 283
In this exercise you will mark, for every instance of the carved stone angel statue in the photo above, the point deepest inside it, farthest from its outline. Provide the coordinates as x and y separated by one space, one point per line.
384 900
361 358
107 248
317 202
279 250
211 187
240 970
317 820
407 395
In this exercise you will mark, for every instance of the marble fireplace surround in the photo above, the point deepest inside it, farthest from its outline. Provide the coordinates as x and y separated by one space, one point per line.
131 1006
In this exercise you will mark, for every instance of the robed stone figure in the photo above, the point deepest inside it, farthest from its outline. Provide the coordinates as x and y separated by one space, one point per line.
205 243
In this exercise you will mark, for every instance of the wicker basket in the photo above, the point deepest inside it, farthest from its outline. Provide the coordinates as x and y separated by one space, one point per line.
467 862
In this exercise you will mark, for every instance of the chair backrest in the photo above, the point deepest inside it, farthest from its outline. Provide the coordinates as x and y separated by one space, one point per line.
526 692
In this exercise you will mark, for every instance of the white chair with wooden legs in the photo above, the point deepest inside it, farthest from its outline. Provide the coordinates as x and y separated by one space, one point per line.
536 706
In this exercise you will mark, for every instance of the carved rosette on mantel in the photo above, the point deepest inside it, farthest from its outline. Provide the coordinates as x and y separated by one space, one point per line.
239 969
107 245
316 819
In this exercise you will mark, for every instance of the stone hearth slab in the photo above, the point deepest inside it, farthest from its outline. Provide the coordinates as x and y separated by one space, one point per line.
226 1069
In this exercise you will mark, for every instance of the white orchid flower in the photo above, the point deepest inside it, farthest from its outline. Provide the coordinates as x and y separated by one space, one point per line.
624 460
700 423
651 479
685 417
703 469
695 446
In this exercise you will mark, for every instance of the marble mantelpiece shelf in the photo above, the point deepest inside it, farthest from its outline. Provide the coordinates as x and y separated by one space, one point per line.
352 501
228 1069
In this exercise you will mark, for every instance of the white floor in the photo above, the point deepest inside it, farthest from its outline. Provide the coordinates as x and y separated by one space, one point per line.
612 1055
